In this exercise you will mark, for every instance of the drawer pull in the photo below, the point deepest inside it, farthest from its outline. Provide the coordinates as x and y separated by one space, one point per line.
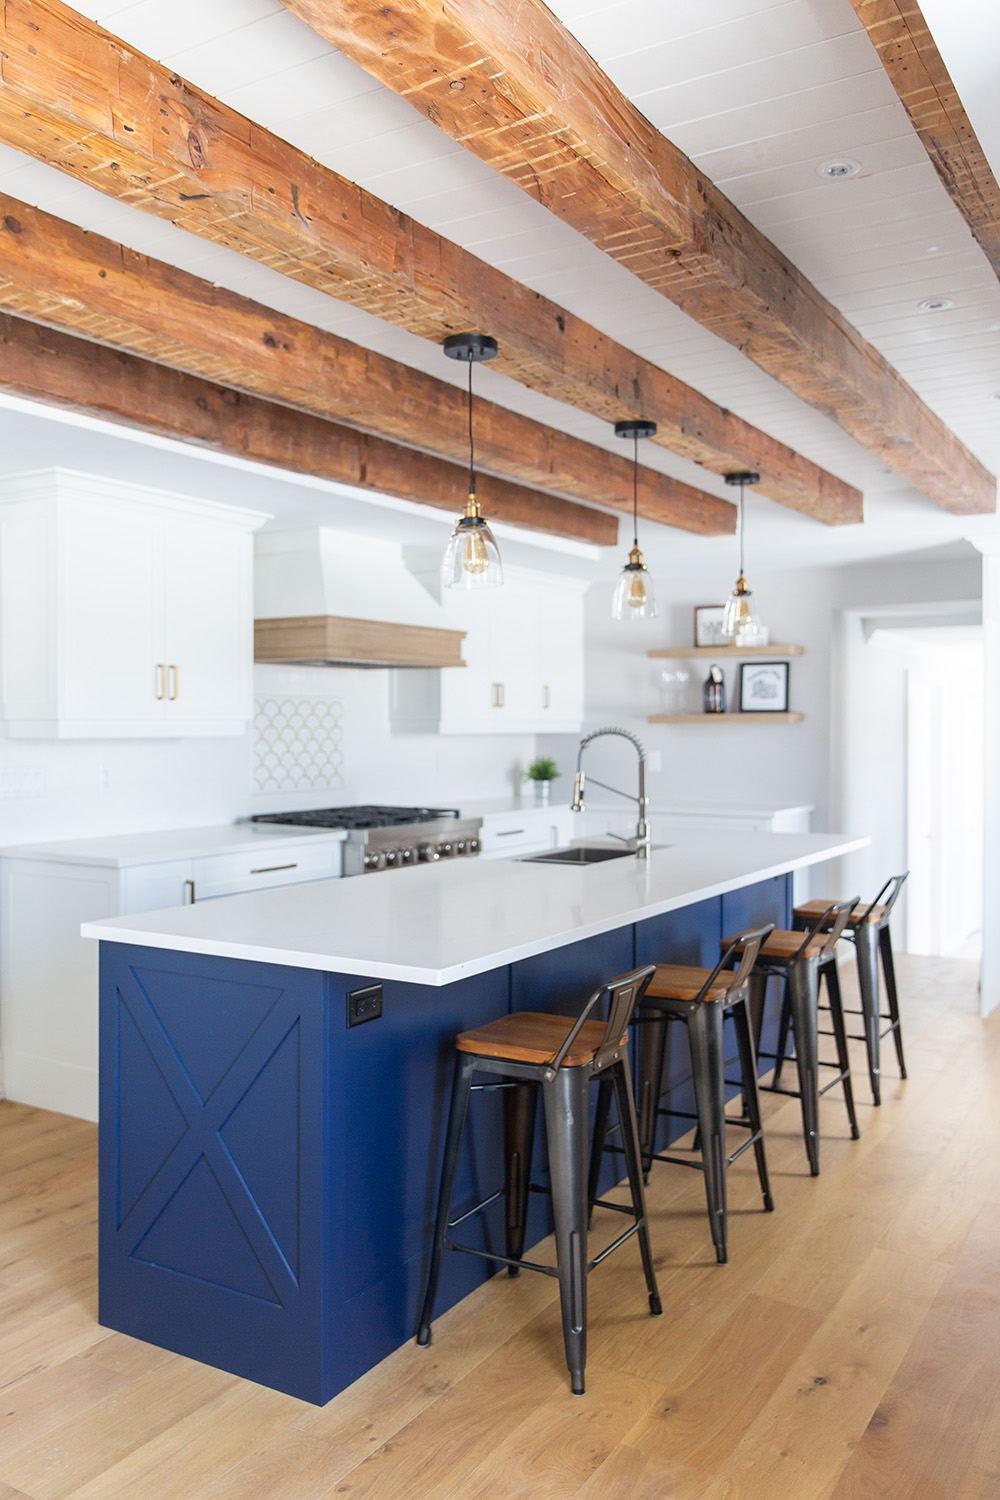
174 677
189 893
270 869
506 833
161 678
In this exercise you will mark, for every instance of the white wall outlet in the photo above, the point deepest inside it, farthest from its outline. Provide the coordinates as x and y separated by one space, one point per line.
104 780
22 781
655 759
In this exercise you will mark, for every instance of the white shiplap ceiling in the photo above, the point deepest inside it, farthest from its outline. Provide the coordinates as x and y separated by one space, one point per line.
759 94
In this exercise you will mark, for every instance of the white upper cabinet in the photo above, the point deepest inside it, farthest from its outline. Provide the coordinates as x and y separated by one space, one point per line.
523 651
124 611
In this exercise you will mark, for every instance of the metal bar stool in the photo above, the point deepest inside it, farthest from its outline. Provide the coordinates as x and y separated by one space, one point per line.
527 1050
868 930
700 999
801 961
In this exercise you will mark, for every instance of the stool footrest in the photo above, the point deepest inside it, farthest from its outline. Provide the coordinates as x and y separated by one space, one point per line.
503 1260
627 1235
617 1208
454 1223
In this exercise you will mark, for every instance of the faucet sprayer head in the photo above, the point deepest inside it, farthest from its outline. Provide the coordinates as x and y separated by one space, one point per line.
578 782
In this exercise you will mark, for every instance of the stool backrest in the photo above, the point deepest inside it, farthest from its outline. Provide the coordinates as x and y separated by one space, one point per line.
893 886
837 915
748 945
623 995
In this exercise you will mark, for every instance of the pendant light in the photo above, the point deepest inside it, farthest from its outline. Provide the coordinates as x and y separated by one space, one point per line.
472 558
741 611
633 597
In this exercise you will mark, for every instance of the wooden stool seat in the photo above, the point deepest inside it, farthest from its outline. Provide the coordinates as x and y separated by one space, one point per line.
685 982
532 1037
782 946
809 911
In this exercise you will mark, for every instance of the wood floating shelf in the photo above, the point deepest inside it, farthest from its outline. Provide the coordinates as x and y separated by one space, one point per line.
721 652
737 718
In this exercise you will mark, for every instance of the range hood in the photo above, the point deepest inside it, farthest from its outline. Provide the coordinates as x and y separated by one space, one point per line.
326 598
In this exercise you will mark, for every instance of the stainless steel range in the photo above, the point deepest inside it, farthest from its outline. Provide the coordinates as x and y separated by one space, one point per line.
390 838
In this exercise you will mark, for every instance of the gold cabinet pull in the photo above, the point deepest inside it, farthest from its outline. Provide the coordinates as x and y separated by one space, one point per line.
189 893
161 681
498 695
545 696
174 683
270 869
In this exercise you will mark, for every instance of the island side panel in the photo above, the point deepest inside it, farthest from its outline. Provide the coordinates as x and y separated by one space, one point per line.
213 1170
268 1175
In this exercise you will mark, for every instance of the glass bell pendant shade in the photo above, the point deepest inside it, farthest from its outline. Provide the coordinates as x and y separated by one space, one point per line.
472 558
740 616
633 597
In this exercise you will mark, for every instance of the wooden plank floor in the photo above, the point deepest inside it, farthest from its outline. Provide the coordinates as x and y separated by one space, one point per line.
849 1351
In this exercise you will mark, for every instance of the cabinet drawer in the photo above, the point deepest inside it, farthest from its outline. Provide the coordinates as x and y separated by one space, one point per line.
271 865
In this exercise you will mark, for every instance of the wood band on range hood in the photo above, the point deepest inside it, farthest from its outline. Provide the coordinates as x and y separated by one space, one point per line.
333 640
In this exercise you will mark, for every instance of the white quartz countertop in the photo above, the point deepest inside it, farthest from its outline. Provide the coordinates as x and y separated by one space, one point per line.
117 850
438 923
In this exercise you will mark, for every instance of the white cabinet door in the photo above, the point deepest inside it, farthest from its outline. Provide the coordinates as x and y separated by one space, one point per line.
207 625
561 665
471 698
109 604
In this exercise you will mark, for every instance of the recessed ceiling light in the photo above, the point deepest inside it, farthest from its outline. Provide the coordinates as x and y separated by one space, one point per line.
841 166
935 304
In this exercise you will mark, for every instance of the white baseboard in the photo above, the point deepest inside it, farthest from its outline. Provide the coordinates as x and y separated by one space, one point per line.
45 1084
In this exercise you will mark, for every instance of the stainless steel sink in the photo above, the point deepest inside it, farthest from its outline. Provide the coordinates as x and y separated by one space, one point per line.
581 855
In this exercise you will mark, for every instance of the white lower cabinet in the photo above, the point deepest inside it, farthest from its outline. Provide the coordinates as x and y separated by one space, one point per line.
48 972
523 651
124 611
530 830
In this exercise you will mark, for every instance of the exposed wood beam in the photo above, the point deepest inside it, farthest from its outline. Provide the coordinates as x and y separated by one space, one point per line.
918 73
507 80
56 273
76 98
75 375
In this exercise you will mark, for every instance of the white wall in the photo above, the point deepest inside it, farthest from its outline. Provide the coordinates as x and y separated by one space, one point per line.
195 782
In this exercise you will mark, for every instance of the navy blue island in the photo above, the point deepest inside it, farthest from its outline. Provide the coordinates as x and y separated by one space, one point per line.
275 1070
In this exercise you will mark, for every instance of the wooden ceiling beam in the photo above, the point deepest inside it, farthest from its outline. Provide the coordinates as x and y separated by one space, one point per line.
918 73
73 374
509 82
55 273
73 96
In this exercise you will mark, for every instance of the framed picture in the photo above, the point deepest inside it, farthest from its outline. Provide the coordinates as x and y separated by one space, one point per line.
763 687
708 625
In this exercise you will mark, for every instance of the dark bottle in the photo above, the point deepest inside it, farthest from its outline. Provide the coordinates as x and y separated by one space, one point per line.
714 692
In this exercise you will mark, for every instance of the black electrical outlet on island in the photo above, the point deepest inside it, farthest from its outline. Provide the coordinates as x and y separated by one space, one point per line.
364 1005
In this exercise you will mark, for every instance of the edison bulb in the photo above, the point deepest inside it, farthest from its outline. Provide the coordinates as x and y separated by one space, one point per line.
635 596
475 558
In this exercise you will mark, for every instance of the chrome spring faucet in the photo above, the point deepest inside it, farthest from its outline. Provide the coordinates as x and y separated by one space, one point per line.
640 843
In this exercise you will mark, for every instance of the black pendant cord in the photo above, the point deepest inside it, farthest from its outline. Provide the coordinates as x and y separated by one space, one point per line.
472 450
635 490
742 497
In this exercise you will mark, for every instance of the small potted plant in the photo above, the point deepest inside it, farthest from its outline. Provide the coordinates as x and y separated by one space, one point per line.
542 772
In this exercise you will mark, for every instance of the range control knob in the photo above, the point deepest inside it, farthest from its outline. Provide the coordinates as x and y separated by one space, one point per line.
428 853
406 856
445 849
474 846
373 860
390 858
460 847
